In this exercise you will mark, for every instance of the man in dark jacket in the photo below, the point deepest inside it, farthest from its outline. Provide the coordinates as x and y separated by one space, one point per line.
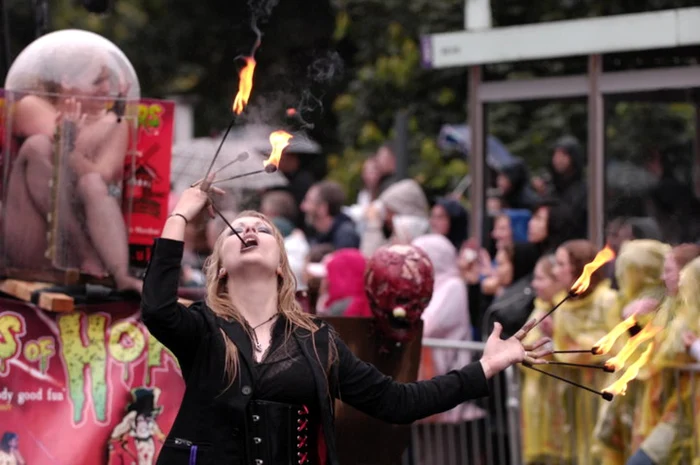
322 209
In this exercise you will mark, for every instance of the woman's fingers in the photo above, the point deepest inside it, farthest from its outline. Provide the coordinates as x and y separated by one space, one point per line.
520 335
534 360
534 352
539 353
537 344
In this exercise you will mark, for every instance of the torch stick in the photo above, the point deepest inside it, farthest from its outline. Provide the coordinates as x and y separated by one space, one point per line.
605 395
241 157
238 176
579 351
206 183
584 365
561 302
216 210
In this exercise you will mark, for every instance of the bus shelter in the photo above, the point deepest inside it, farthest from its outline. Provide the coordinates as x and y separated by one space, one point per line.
666 32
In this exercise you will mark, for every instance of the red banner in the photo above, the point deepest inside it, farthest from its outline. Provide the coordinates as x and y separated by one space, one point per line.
88 387
149 187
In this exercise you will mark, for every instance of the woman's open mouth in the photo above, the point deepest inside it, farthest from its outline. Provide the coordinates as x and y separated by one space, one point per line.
250 243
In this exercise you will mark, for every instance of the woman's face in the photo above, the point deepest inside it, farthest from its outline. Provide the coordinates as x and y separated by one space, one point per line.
502 232
671 274
261 252
370 174
439 221
537 226
545 284
503 183
562 269
504 268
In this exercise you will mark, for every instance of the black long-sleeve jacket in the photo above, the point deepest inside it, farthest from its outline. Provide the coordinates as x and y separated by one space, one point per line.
216 422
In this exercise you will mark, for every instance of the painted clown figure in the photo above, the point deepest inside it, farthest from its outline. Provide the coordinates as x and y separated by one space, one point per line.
134 440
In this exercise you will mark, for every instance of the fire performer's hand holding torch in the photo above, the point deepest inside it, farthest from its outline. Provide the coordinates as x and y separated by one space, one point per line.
191 203
499 354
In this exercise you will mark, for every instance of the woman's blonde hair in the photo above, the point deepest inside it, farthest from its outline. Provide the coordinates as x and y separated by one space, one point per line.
218 300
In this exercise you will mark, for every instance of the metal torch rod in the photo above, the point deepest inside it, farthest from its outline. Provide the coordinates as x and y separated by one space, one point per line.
205 184
243 175
568 296
605 395
584 365
216 210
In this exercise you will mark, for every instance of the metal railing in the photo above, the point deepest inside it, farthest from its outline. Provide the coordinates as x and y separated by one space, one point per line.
481 432
490 433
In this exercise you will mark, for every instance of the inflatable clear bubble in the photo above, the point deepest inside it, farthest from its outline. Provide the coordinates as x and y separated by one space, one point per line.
70 118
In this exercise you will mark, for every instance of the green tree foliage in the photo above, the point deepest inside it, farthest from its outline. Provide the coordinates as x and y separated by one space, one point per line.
387 78
180 47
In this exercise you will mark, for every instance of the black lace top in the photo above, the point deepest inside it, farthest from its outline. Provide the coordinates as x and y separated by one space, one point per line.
284 375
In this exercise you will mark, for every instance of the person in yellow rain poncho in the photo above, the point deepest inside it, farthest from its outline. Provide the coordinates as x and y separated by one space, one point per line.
661 381
676 436
638 270
543 411
578 324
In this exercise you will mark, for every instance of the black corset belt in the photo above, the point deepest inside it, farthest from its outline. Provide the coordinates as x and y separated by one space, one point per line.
282 434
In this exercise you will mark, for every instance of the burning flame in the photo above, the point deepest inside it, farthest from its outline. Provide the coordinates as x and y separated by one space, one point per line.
618 361
245 85
619 387
601 258
279 141
605 343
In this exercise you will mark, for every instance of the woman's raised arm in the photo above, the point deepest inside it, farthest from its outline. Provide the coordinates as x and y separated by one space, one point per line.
180 329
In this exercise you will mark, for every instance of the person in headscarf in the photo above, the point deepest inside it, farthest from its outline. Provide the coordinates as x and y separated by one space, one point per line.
343 287
543 412
577 325
449 218
568 184
658 436
445 317
408 227
404 198
638 269
514 183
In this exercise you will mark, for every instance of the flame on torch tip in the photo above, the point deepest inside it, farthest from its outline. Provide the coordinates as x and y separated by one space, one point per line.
245 85
279 141
583 281
619 387
618 362
606 343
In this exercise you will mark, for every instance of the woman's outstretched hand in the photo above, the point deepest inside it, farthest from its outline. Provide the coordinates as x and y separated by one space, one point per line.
499 354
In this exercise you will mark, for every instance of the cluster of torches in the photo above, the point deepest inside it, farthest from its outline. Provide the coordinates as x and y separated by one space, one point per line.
606 343
279 140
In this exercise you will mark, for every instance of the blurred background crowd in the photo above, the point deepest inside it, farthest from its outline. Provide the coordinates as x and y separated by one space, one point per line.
388 161
537 248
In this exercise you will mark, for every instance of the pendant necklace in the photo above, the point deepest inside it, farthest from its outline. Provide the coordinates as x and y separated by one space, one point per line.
258 346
